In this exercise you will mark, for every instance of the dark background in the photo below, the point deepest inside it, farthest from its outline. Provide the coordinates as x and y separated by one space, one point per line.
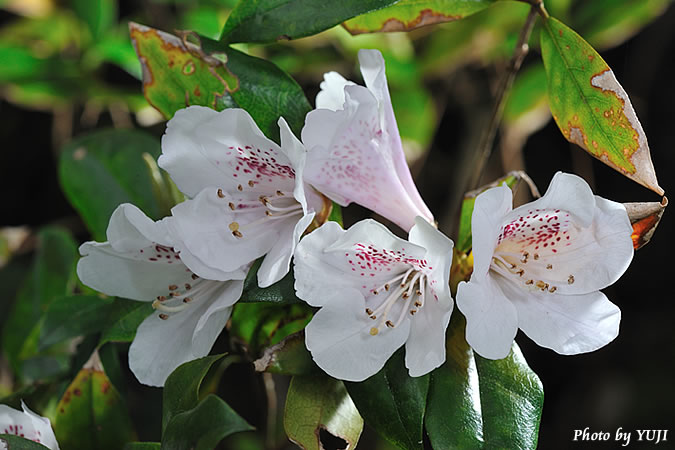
629 383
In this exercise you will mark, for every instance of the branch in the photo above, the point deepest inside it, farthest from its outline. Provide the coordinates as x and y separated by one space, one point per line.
487 139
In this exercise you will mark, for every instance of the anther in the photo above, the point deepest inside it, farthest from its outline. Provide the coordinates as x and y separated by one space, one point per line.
389 323
188 286
220 193
234 226
187 300
549 266
237 233
405 294
553 289
231 205
251 183
412 312
173 287
268 213
163 316
280 194
520 272
369 311
529 282
570 279
195 276
240 188
386 287
536 256
374 331
418 303
540 284
418 292
161 298
524 258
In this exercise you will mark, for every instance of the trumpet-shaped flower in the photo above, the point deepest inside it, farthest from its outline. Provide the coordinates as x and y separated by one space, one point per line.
28 425
247 197
142 260
540 268
377 292
354 147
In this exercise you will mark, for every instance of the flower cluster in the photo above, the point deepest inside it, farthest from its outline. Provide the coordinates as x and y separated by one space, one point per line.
538 267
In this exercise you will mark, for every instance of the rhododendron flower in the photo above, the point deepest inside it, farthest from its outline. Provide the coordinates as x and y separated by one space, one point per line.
28 425
142 260
376 293
541 266
247 194
354 147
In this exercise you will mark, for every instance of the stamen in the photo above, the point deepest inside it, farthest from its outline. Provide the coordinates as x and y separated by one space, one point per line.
293 207
173 287
165 308
188 286
187 300
231 205
374 331
240 188
570 279
163 316
549 266
280 194
195 276
220 193
251 183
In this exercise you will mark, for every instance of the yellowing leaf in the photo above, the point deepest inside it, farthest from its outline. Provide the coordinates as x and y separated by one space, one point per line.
645 217
591 108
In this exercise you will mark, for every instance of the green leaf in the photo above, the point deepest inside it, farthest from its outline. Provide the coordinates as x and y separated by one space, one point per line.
283 291
273 20
393 403
407 15
100 171
463 243
181 390
591 108
316 404
51 276
122 326
528 94
288 357
177 73
479 403
91 413
19 443
99 15
203 427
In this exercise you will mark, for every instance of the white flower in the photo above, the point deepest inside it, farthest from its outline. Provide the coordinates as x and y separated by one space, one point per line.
377 292
247 194
28 425
354 147
540 268
143 261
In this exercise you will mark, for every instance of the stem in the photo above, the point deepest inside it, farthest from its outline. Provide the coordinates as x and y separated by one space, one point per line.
487 139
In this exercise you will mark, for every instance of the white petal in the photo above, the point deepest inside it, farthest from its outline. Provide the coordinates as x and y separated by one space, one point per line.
567 324
491 319
130 229
42 427
160 346
202 226
277 261
438 256
373 71
340 341
28 425
566 192
425 347
486 221
221 149
332 94
297 155
126 274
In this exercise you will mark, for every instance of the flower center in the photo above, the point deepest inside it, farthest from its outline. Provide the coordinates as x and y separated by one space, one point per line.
405 292
279 205
180 297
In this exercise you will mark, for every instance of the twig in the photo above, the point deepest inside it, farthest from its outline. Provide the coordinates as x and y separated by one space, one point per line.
487 139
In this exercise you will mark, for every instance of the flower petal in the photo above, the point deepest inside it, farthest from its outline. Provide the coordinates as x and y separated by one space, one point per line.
439 256
486 221
332 94
203 148
340 341
130 229
491 319
160 346
27 424
425 347
42 427
567 324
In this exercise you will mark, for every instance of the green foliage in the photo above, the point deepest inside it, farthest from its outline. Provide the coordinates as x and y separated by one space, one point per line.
273 20
591 108
99 15
407 15
317 404
393 402
102 170
91 414
18 443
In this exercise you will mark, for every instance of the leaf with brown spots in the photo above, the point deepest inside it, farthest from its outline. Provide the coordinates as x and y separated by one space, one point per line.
645 217
407 15
591 108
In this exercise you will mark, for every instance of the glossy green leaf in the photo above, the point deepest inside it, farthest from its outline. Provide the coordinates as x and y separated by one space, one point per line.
51 276
177 73
463 243
283 291
528 94
259 325
181 390
98 15
18 443
393 402
407 15
102 170
91 413
203 427
273 20
318 404
591 108
288 357
480 403
129 314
